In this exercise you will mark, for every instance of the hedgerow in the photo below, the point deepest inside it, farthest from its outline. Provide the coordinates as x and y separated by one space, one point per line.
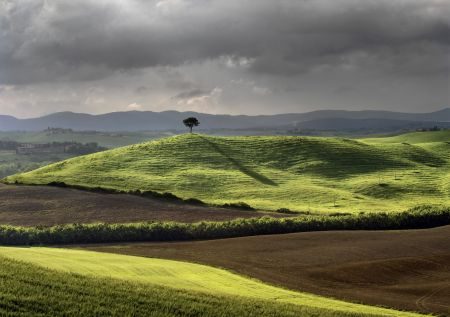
416 218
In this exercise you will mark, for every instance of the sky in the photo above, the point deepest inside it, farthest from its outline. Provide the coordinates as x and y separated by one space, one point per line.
223 56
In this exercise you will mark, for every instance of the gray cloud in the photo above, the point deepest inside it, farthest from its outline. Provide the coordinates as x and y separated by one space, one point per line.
190 94
294 53
89 40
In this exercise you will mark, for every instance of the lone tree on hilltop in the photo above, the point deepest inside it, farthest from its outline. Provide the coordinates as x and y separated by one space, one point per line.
191 122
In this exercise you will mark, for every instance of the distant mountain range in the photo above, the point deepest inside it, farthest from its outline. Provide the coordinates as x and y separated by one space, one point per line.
169 120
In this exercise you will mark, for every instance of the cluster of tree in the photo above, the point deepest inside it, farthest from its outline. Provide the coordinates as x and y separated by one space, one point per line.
70 147
51 130
420 217
87 148
8 145
435 128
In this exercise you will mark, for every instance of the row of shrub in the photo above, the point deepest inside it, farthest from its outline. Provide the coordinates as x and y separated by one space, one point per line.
149 194
420 217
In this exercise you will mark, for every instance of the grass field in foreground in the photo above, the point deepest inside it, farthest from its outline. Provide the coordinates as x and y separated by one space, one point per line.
405 269
183 276
29 290
300 173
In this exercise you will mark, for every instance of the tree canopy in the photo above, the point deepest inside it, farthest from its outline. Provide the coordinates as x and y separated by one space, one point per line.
191 122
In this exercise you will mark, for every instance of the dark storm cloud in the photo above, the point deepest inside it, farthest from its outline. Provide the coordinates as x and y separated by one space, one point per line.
92 39
190 94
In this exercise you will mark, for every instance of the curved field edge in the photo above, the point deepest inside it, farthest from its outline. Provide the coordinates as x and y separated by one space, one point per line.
56 293
416 218
299 173
182 276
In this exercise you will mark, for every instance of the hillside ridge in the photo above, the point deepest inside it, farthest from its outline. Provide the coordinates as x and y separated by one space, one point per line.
299 173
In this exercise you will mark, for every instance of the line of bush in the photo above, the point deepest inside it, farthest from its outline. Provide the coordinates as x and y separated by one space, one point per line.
150 194
416 218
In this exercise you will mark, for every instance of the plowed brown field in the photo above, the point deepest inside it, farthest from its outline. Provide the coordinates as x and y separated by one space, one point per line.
401 269
45 205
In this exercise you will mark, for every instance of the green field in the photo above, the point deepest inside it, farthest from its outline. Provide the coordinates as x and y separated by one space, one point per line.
106 139
414 137
64 294
12 163
300 173
185 277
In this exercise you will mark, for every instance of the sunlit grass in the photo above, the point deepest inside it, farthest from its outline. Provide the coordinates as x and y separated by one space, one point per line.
182 276
300 173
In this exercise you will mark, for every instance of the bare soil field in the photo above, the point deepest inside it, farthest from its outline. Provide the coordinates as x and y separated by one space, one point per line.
47 206
401 269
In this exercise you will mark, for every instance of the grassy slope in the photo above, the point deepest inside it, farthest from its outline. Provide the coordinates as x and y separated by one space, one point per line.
414 137
182 276
62 294
12 163
300 173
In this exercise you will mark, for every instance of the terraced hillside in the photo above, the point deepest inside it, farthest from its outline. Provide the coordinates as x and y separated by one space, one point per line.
186 278
300 173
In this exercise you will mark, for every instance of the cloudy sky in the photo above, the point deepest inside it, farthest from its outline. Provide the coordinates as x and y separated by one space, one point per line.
223 56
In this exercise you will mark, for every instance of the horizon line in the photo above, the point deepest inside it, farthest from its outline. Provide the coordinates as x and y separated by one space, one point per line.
217 114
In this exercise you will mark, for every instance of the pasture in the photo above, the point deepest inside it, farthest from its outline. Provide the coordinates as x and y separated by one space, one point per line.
64 294
313 174
184 276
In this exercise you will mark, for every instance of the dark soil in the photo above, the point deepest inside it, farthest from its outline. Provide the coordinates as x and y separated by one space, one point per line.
47 206
407 269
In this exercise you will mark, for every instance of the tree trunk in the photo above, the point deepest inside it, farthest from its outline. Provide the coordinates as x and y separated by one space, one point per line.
190 129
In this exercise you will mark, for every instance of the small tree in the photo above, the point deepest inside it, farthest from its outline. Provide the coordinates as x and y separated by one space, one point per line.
191 122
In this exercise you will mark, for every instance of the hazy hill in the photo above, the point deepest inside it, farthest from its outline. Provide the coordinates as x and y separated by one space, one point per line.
166 120
300 173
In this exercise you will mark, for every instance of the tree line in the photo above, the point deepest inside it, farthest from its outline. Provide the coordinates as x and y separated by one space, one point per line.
415 218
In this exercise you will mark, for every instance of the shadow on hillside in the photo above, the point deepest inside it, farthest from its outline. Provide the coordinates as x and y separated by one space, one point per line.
261 178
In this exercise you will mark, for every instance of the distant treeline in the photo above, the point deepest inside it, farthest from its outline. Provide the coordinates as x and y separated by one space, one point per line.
9 145
416 218
67 147
87 148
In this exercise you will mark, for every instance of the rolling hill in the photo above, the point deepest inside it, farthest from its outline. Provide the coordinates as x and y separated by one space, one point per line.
64 294
188 277
167 120
300 173
405 270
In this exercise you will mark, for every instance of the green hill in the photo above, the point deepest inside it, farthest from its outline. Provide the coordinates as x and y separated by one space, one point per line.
188 278
63 294
299 173
414 137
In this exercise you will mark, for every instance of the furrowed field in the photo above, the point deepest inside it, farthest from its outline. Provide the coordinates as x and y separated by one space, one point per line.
299 173
149 287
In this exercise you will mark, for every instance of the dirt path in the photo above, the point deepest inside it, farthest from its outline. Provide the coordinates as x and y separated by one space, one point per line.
400 269
44 205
